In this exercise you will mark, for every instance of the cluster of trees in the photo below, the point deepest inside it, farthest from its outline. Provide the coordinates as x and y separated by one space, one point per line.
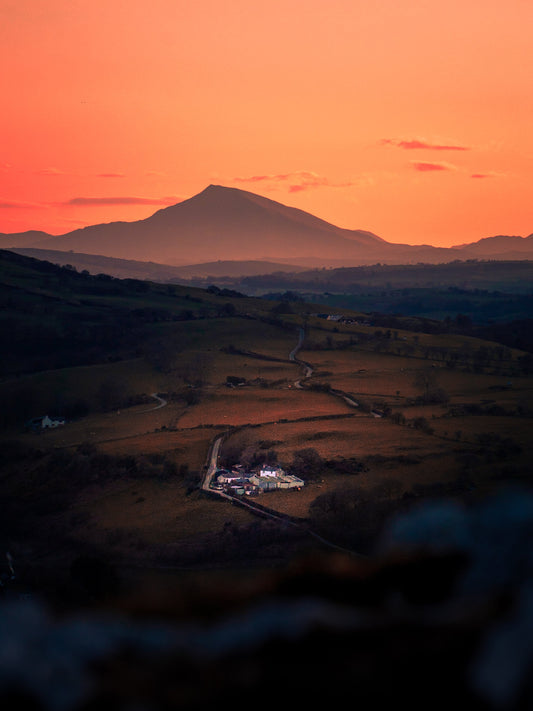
251 455
495 357
309 465
379 279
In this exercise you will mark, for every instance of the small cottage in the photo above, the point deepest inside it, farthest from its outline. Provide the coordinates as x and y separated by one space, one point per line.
45 422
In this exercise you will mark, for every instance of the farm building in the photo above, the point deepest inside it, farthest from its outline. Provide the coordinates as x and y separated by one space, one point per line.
281 481
263 479
264 483
271 471
288 481
226 477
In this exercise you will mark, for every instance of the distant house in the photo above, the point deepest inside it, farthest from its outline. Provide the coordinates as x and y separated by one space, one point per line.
270 471
266 478
225 477
45 422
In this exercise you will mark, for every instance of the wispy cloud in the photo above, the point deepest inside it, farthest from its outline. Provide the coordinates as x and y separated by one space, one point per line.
14 205
102 201
421 144
431 167
259 178
50 171
296 181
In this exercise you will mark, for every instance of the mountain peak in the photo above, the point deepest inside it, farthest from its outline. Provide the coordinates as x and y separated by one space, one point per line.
224 223
227 223
212 188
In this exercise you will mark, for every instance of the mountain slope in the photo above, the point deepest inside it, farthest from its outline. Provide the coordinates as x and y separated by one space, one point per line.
219 223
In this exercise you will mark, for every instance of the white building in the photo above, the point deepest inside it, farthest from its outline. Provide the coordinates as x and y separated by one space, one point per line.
225 477
45 422
273 471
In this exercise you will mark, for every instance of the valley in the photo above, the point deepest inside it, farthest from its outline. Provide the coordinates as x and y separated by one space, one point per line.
413 442
384 417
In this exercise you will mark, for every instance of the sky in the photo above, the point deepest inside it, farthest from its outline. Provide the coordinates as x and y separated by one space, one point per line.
408 118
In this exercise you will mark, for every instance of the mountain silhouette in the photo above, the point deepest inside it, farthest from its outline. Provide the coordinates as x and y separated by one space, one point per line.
218 223
222 223
497 246
24 239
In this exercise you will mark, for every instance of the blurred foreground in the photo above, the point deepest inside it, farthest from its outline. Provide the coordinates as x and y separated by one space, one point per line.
441 614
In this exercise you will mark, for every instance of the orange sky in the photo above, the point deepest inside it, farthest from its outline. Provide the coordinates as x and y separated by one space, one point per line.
411 119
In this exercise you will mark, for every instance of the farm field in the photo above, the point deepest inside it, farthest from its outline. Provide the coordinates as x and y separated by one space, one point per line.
241 406
137 515
429 414
145 514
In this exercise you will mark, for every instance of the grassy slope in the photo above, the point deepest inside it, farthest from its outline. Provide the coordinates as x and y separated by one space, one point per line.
148 519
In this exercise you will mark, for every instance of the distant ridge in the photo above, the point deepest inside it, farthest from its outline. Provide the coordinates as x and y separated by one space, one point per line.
132 269
24 239
228 224
498 245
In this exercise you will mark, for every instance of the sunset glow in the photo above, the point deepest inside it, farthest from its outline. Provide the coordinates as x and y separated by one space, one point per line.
411 120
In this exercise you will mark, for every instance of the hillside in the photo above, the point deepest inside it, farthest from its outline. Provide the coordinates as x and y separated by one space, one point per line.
129 268
56 316
402 434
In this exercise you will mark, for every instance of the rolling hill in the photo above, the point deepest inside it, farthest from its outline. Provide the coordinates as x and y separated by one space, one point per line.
133 269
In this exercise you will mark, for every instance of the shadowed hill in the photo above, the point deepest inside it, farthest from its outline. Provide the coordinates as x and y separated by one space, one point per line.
132 269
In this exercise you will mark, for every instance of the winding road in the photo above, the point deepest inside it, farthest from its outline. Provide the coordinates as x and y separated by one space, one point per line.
161 401
308 370
212 466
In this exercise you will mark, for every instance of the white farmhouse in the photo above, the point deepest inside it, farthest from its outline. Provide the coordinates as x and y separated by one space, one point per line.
225 477
45 422
270 471
51 422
